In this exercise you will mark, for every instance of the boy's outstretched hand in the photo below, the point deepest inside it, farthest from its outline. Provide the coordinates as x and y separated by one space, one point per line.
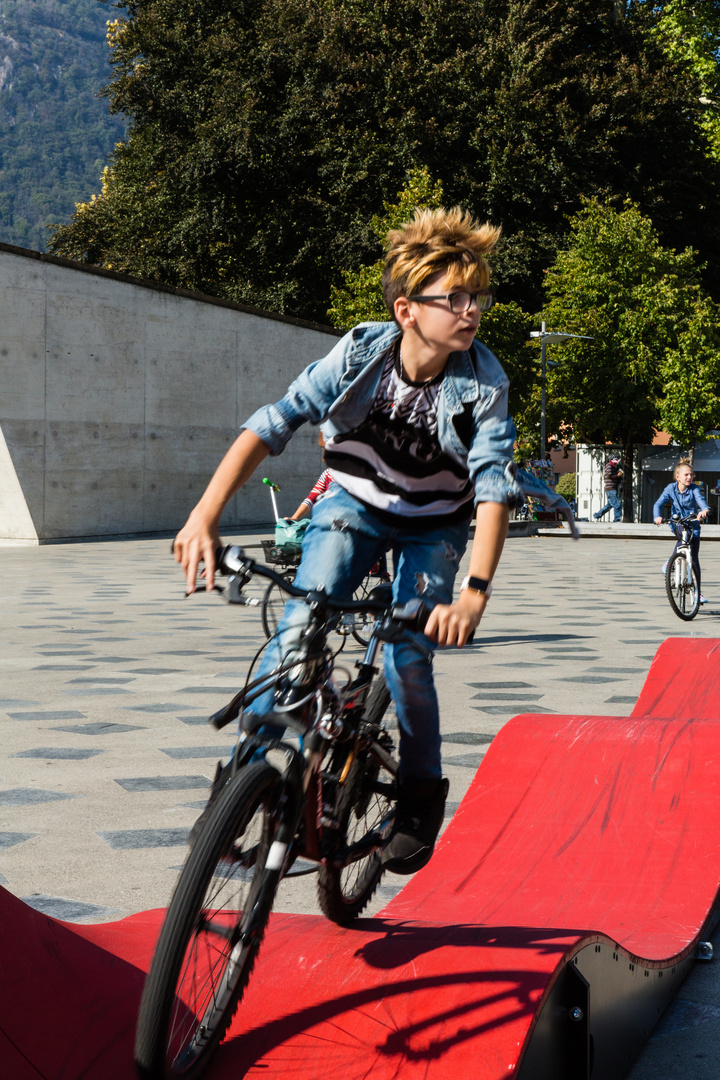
452 624
197 542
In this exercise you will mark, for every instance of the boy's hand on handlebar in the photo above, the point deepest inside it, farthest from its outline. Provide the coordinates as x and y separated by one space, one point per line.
452 624
197 542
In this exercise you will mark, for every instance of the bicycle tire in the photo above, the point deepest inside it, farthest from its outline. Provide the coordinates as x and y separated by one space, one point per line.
365 805
212 931
273 605
684 598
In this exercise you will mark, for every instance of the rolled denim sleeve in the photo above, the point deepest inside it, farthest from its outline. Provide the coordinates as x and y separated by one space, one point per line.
307 400
490 457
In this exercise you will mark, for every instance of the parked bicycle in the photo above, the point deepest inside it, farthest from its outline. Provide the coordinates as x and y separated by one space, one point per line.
329 799
681 584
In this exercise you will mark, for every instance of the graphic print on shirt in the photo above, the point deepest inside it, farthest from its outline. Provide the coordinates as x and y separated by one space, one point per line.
393 461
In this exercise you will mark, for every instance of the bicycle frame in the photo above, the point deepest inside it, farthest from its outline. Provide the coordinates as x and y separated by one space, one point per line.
323 715
684 551
681 585
683 548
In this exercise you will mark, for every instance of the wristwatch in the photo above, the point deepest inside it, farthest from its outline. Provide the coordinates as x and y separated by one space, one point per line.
477 584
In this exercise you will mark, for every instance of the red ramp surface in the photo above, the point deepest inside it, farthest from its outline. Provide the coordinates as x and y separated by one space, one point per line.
558 916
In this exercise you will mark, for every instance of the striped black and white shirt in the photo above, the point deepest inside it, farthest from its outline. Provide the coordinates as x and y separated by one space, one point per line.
393 461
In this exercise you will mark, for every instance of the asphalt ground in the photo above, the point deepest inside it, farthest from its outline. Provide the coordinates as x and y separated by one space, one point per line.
109 672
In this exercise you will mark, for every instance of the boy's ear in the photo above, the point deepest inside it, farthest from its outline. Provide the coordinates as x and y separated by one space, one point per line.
403 314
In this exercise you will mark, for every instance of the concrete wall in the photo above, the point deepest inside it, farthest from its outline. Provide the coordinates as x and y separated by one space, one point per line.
118 399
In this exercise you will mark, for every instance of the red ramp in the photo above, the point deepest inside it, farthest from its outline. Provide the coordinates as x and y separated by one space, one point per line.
559 915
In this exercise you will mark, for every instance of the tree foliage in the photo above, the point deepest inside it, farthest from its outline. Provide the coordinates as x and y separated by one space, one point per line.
359 298
643 306
690 406
689 31
265 135
56 134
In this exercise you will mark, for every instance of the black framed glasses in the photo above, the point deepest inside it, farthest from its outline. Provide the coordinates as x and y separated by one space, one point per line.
459 302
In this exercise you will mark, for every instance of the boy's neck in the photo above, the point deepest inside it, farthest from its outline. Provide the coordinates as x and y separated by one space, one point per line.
419 361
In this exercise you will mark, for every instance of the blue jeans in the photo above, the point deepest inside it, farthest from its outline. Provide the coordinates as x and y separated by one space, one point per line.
342 543
613 503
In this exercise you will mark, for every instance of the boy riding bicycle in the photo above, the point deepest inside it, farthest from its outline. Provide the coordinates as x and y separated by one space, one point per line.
414 414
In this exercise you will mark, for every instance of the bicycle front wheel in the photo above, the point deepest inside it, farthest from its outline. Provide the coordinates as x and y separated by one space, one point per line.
364 811
682 587
273 605
213 929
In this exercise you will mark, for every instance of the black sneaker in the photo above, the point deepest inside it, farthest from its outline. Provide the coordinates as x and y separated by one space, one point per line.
419 815
223 774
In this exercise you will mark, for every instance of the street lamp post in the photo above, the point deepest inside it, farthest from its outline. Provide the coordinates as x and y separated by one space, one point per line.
545 337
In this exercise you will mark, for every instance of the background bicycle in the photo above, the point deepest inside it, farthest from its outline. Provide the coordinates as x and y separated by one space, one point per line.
327 795
284 552
681 583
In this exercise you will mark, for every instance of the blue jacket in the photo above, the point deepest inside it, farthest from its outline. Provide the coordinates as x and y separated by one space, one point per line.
683 503
473 423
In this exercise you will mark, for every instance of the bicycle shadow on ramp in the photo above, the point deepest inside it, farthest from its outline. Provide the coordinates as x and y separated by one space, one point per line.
558 917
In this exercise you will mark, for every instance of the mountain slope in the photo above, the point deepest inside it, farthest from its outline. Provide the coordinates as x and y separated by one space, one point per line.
55 133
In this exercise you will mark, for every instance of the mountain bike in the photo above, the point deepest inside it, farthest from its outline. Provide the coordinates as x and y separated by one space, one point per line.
681 583
327 795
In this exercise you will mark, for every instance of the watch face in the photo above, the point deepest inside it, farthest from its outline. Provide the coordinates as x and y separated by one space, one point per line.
476 584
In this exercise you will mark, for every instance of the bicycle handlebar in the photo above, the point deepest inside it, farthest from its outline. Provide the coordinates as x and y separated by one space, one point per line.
232 560
676 519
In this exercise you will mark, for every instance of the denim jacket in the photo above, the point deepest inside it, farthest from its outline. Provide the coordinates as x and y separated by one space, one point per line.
684 503
473 423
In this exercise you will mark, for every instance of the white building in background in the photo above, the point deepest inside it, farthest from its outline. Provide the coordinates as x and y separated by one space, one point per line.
653 469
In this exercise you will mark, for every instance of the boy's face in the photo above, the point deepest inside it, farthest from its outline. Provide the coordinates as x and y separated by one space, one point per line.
436 323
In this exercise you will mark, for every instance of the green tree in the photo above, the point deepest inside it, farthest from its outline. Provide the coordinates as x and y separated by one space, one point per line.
643 306
566 485
690 407
689 31
265 134
359 298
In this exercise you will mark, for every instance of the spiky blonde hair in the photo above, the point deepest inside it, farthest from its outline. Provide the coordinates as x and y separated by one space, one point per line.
437 240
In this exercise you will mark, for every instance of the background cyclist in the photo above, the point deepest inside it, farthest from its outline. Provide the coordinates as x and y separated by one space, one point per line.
685 498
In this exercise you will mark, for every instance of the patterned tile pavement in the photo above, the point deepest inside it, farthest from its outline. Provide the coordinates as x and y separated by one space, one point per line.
107 676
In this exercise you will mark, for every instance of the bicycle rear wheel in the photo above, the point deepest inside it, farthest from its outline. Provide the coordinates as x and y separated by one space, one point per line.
684 595
273 605
364 810
213 929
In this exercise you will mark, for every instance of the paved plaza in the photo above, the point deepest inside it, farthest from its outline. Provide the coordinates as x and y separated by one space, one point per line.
109 674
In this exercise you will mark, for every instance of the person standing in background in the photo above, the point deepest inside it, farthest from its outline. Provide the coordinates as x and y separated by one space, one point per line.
611 479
